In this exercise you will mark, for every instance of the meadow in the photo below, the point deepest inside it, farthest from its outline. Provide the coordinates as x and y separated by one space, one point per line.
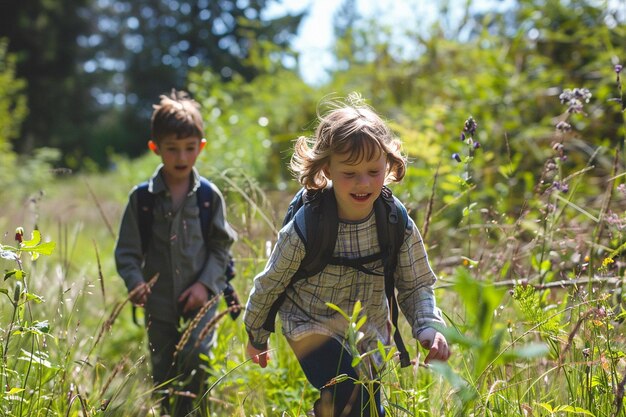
532 294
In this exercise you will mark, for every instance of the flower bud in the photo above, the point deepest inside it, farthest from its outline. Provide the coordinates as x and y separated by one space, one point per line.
456 157
19 234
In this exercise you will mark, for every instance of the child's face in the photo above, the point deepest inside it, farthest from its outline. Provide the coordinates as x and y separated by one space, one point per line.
178 156
356 186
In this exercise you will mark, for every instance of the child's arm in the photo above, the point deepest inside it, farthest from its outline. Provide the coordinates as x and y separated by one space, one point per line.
283 262
128 253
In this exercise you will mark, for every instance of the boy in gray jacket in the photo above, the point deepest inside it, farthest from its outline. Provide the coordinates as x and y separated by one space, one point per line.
190 270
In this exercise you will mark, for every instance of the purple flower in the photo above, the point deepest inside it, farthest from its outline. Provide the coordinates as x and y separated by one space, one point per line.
462 137
470 126
456 157
563 126
476 145
618 68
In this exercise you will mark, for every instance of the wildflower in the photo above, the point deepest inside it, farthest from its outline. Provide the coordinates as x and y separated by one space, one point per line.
19 234
563 126
456 157
622 188
618 68
476 145
575 98
607 261
462 137
470 126
560 186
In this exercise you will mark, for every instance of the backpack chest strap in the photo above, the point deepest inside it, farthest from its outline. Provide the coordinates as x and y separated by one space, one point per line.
358 263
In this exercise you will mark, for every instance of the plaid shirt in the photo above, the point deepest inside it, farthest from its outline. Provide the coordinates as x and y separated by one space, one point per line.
305 312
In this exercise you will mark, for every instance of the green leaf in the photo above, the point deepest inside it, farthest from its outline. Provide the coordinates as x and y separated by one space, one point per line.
547 407
356 311
17 273
37 359
14 390
529 351
45 248
338 310
34 297
360 323
577 410
34 240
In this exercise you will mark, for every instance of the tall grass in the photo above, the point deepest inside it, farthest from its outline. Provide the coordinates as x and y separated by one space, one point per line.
534 303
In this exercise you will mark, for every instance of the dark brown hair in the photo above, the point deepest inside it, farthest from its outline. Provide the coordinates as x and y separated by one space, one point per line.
177 115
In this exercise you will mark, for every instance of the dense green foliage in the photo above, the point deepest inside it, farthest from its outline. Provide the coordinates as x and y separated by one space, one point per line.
93 68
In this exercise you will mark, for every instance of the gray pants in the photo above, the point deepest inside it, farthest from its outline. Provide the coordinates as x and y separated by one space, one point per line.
177 372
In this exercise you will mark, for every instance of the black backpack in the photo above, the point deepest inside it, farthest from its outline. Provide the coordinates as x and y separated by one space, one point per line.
204 193
314 213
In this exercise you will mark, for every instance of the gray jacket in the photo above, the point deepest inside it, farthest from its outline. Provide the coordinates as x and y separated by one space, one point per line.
176 249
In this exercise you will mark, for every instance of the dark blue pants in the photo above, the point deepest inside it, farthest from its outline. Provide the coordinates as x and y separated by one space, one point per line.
322 358
185 371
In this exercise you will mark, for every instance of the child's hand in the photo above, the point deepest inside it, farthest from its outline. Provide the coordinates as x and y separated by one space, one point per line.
139 295
194 297
261 357
436 343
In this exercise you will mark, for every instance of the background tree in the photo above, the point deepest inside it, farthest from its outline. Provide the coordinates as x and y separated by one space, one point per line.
147 47
95 67
42 36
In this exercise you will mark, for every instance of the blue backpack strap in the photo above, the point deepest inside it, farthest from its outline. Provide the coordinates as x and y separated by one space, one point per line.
145 215
204 194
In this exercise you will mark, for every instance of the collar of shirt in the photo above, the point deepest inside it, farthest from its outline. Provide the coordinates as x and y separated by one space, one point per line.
157 185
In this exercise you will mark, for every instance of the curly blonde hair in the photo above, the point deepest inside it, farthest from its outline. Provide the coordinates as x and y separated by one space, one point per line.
349 127
178 115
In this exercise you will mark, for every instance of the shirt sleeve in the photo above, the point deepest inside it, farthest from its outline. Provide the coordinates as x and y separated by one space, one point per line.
221 236
415 281
268 285
128 253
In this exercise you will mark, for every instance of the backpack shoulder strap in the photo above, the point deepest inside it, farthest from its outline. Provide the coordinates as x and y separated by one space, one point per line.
391 224
145 215
316 223
204 195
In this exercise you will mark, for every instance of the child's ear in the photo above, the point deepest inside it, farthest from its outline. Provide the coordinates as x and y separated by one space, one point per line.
153 146
325 171
202 143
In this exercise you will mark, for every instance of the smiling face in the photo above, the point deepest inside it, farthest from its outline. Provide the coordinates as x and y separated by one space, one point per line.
356 183
178 156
